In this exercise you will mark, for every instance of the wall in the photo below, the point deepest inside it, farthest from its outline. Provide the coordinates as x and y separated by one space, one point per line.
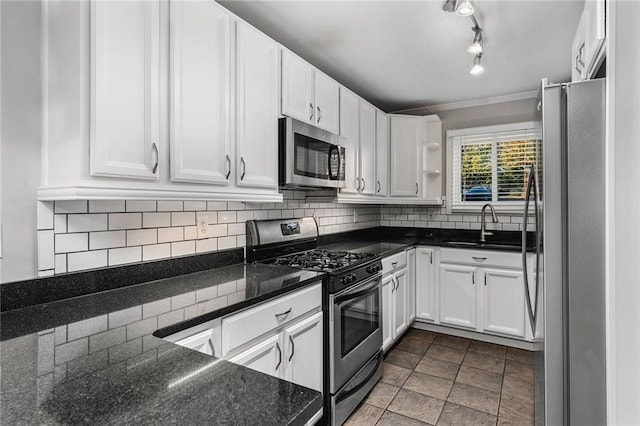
20 136
80 235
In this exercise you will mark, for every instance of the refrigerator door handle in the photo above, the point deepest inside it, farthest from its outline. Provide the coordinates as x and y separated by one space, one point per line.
527 197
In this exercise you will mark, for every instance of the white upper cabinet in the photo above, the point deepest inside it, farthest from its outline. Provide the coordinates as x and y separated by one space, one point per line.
309 95
406 134
350 132
327 103
367 148
200 85
256 108
587 49
382 154
125 89
297 88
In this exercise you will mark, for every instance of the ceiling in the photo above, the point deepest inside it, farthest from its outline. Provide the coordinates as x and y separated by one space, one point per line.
408 54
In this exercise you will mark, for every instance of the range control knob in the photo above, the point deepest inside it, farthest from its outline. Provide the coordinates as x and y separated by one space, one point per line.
343 280
352 278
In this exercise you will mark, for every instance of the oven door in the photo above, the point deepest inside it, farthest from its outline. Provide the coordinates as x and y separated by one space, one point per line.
356 329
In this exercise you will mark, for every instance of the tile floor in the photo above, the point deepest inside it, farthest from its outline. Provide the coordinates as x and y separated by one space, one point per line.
437 379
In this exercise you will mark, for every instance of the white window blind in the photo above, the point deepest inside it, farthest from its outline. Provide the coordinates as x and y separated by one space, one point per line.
494 167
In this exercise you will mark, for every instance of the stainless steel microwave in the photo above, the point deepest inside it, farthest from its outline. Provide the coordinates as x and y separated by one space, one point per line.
309 156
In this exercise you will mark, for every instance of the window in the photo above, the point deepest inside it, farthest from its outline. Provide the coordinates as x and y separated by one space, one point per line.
491 164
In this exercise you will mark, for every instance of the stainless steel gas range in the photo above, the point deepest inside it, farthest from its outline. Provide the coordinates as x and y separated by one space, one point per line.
352 301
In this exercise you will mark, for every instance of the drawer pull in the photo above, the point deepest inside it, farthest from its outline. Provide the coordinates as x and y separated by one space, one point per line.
393 264
213 349
279 355
284 314
479 259
293 347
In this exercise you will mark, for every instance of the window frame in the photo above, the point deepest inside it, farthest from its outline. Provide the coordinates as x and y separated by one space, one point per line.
511 207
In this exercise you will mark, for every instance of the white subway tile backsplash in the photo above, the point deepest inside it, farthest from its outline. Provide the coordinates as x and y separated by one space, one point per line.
206 245
86 260
236 228
125 221
106 206
86 222
227 216
261 214
218 230
190 232
45 250
241 240
45 215
156 251
141 206
74 206
121 256
167 235
60 263
183 219
156 220
141 237
235 205
170 206
60 223
243 216
66 243
183 248
193 206
226 243
107 239
216 205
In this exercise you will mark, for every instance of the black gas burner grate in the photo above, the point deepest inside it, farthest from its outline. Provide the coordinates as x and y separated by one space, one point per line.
323 260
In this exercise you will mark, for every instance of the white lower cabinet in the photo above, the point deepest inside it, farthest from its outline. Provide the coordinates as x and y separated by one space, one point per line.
426 286
411 285
458 295
503 302
265 357
398 296
388 285
303 352
400 323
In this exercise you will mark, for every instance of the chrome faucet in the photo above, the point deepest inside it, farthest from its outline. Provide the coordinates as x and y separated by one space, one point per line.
483 232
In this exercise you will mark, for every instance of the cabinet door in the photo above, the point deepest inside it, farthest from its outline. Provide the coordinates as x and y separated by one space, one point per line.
327 96
350 131
200 70
297 88
382 154
256 108
578 53
400 303
125 89
405 134
266 356
594 33
388 284
367 148
411 286
503 304
303 352
425 284
458 295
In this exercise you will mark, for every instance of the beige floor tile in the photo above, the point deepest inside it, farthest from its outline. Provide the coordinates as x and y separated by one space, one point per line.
486 348
520 355
390 418
424 335
452 341
515 409
427 384
381 395
479 378
365 415
403 359
518 422
518 370
436 367
417 406
476 398
484 362
413 345
457 415
446 353
394 375
518 388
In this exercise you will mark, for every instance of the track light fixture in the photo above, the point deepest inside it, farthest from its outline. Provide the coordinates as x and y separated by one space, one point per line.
476 46
477 66
465 8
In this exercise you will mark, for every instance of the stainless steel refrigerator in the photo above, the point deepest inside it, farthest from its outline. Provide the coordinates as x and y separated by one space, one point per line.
570 386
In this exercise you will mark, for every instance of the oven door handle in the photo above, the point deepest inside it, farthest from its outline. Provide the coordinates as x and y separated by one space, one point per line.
360 385
371 288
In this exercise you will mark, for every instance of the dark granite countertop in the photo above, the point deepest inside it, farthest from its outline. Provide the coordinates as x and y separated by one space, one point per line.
94 359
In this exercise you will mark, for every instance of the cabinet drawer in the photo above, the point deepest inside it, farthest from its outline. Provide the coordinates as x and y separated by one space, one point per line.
240 328
482 257
393 263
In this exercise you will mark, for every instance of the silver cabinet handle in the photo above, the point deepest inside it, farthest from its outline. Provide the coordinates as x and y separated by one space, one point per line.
310 109
244 168
358 184
479 259
319 113
229 167
416 188
154 148
393 264
279 355
213 350
364 184
293 347
473 278
485 279
431 258
283 314
379 187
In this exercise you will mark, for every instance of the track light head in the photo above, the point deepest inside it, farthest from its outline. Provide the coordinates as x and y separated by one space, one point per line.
476 46
464 8
477 66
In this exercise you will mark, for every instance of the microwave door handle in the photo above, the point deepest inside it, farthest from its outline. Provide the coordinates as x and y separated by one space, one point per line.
333 149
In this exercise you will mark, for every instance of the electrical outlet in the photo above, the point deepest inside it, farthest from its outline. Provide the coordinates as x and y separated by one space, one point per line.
202 222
